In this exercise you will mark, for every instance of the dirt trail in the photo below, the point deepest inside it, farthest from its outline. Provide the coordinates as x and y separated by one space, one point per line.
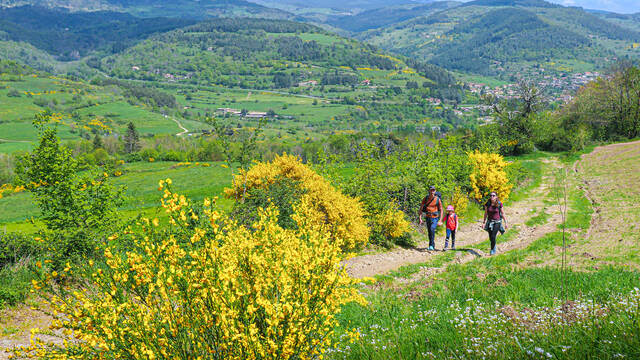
468 236
184 129
15 326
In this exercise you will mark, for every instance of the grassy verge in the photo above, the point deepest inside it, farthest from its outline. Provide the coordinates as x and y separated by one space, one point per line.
527 175
15 282
516 314
17 255
540 218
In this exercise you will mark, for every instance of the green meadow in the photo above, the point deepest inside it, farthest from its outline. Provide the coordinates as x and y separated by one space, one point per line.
141 195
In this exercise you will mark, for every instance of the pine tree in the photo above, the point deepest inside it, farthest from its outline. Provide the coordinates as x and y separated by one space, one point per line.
131 139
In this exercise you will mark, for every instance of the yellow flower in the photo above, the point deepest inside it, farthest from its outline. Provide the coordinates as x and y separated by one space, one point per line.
321 206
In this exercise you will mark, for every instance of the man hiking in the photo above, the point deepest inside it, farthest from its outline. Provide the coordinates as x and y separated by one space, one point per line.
431 207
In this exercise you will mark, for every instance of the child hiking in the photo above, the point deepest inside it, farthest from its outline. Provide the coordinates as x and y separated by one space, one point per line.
432 207
451 219
494 220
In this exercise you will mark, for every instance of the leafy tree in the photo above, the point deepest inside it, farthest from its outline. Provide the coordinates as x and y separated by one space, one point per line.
283 80
516 118
609 107
78 208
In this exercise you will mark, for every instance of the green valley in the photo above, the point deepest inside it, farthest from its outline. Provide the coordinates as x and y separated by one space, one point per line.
225 179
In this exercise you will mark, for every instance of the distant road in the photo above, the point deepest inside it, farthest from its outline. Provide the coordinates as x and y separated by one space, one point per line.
184 129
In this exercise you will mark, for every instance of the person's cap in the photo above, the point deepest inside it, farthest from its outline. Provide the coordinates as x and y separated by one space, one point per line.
432 187
450 208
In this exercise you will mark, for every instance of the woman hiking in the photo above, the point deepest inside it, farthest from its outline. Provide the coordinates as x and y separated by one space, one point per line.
432 207
494 220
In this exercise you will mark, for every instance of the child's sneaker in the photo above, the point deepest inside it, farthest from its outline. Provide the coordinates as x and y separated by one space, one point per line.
453 247
492 252
431 248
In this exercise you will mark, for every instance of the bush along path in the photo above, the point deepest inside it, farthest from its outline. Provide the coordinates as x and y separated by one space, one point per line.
527 219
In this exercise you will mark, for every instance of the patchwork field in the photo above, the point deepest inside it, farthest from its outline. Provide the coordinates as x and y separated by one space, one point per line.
84 109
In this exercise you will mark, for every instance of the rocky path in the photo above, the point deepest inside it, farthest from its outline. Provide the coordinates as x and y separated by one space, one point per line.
468 237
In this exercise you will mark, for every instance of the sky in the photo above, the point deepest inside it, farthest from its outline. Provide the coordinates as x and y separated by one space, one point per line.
619 6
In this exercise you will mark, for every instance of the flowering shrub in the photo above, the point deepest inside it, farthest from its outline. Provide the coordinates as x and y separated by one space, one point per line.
488 174
320 203
7 189
459 201
203 287
391 223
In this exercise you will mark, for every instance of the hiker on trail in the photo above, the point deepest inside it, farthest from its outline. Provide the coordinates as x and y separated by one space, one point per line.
451 219
431 207
494 220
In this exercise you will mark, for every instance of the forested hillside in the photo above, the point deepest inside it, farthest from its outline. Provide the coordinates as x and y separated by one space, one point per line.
70 36
158 8
381 17
353 5
486 36
256 54
506 35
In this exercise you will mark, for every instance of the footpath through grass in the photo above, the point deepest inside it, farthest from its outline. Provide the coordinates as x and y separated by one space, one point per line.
506 306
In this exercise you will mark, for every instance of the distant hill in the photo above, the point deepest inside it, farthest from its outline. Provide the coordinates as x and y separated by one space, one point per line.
194 9
523 3
377 18
70 36
490 36
345 5
506 35
258 53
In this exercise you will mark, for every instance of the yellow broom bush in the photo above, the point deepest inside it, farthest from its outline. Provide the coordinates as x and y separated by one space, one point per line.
488 174
204 288
460 201
391 223
323 204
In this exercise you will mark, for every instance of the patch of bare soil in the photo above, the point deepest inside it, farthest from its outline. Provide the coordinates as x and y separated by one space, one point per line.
15 326
468 236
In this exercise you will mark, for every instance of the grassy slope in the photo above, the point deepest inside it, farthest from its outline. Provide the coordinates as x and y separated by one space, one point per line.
140 180
613 188
91 102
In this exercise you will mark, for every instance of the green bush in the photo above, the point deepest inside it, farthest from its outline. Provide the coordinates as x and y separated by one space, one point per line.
147 154
15 246
172 155
78 207
17 253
